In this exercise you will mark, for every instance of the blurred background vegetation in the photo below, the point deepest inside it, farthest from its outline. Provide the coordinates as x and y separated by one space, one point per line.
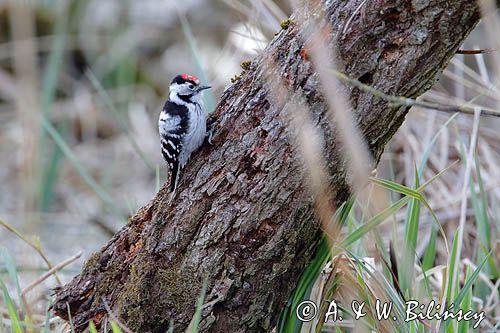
82 83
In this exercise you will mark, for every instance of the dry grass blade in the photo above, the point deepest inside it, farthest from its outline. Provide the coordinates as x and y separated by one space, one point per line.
352 281
492 25
50 272
453 266
356 154
309 141
465 188
31 244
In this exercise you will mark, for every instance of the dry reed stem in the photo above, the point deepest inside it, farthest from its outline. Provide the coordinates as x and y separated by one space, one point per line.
24 55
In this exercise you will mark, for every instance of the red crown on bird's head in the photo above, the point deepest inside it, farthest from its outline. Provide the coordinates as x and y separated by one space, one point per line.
190 78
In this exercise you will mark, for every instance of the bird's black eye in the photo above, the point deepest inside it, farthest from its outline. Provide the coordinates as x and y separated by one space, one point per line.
191 86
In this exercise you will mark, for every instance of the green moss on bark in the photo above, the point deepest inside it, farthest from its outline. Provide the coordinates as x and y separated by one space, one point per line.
153 293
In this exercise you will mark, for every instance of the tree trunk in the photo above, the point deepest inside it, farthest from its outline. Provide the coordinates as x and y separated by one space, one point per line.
242 217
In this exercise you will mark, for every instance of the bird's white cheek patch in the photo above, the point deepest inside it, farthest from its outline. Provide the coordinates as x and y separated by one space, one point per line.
164 116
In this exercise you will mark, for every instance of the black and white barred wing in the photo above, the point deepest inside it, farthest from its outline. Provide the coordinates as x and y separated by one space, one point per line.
171 133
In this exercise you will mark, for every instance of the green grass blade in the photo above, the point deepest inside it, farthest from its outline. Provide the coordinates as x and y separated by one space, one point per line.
452 278
413 219
390 185
470 281
480 205
195 322
466 305
115 328
342 214
483 235
288 321
75 161
92 328
407 261
430 251
10 266
11 310
373 223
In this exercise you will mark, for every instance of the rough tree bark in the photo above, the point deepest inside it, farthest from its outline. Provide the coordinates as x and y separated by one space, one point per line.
242 217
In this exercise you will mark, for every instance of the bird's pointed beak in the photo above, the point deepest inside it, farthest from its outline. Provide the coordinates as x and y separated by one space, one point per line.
200 88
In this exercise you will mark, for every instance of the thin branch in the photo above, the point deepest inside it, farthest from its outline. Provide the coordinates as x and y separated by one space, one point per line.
480 51
405 101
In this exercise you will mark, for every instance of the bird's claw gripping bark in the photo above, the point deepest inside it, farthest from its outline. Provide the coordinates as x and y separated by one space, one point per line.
210 129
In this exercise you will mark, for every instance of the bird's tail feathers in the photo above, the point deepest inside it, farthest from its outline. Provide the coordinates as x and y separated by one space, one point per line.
174 177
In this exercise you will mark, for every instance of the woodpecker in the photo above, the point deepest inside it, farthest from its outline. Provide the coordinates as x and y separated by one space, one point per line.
182 124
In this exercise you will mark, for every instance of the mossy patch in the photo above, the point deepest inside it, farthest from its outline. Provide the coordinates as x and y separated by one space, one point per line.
235 78
285 24
92 262
108 281
245 65
154 294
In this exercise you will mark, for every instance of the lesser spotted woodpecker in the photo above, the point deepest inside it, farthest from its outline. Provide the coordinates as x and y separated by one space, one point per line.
182 123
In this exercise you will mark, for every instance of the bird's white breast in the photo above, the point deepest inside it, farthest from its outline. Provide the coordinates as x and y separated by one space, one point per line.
196 131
